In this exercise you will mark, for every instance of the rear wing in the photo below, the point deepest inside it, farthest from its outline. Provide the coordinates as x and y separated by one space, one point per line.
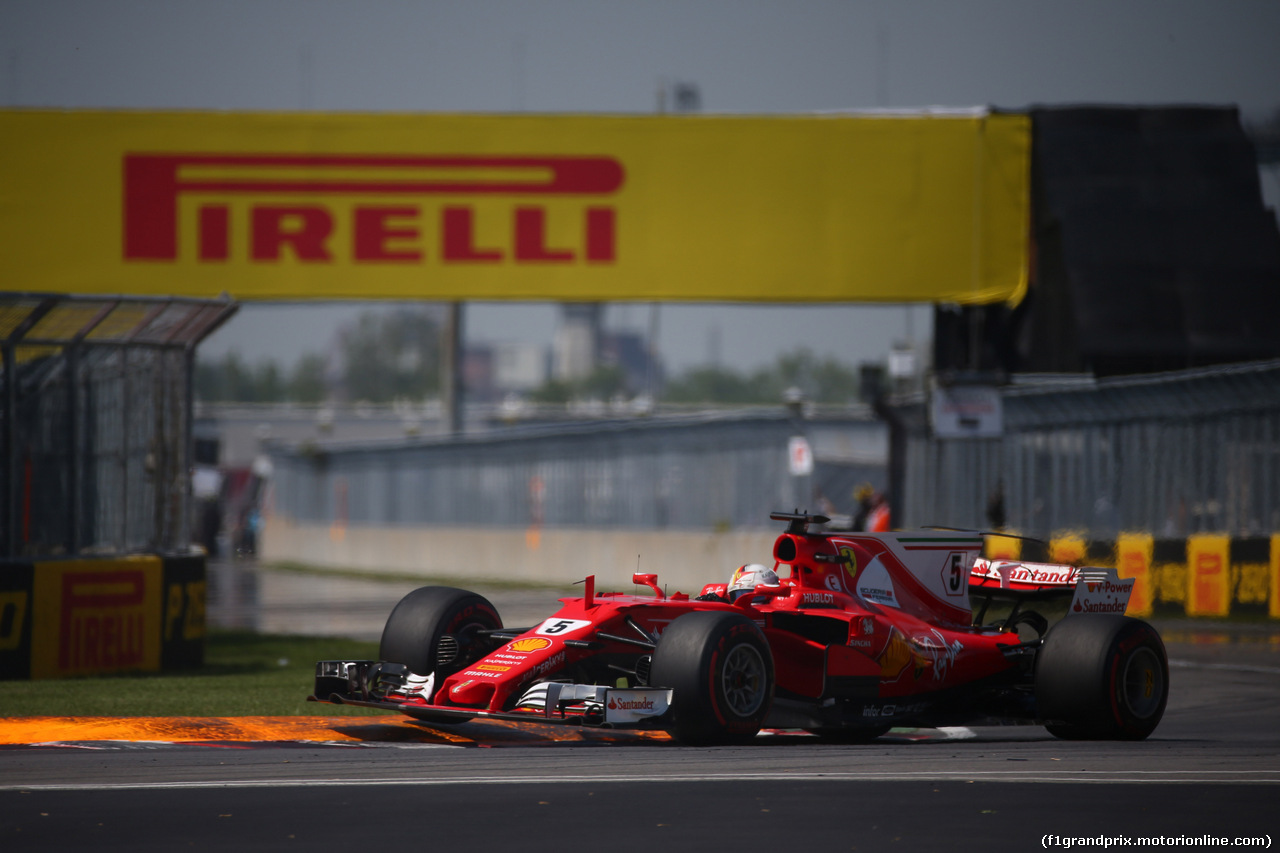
1018 576
1091 589
1101 591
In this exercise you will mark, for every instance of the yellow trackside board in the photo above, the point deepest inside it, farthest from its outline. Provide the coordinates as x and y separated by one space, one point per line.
96 616
815 208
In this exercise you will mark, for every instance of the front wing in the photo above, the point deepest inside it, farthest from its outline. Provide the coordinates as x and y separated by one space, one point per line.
392 687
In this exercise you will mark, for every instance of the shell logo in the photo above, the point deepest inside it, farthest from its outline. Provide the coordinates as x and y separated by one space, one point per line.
529 644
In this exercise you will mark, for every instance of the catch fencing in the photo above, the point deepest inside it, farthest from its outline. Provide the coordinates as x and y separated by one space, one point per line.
1171 454
96 422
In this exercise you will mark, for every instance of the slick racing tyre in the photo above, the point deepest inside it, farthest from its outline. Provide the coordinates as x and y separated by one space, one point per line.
720 670
437 629
1102 677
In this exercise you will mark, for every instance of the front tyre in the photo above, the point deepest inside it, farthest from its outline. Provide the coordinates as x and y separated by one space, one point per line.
438 629
1102 677
720 670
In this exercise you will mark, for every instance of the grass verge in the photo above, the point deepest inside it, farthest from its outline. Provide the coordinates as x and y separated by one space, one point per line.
245 674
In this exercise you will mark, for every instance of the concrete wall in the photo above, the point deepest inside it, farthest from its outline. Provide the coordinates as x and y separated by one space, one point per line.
1205 575
683 560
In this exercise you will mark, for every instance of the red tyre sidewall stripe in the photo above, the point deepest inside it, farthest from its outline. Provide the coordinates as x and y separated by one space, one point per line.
712 691
467 613
1114 690
1122 650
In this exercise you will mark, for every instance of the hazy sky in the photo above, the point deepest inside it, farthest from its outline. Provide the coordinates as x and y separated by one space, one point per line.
612 56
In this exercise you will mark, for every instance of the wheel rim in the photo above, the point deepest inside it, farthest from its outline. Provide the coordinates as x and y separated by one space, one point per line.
460 647
743 677
1143 683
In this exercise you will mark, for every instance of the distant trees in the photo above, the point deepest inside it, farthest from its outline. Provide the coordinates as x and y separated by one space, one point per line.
716 384
381 357
232 379
604 383
387 356
820 380
307 383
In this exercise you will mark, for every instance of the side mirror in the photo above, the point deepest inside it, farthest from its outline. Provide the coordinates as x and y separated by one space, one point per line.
770 592
649 580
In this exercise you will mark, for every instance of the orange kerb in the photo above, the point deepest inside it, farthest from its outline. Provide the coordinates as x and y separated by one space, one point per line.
33 730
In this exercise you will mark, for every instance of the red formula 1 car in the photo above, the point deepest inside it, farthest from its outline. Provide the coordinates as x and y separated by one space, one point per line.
853 634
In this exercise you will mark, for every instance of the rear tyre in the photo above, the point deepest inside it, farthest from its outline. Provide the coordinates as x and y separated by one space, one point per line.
437 629
1102 677
721 671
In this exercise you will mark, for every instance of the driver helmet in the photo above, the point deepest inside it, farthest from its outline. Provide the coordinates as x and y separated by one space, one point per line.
748 577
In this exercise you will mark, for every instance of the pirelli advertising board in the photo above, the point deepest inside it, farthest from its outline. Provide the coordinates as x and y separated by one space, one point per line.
914 207
65 618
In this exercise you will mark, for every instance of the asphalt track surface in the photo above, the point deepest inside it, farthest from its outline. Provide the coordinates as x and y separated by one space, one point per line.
1211 772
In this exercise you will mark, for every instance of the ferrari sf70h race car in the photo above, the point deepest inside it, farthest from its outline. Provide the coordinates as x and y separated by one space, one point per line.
850 635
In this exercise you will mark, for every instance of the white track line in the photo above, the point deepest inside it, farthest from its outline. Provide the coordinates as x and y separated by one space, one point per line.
1229 667
1100 777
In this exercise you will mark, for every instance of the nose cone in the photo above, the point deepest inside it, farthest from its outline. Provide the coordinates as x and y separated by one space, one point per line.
474 693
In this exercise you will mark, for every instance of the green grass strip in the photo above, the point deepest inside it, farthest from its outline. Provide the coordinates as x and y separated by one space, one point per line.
245 674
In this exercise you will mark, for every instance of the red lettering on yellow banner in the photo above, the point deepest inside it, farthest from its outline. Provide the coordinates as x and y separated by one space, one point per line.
379 229
102 620
457 240
214 233
304 230
154 184
531 239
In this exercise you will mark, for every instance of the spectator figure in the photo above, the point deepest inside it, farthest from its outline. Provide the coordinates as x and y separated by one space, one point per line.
878 516
863 496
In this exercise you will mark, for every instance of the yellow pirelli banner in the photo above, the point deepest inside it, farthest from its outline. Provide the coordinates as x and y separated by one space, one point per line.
96 616
1208 575
817 208
1134 555
1273 578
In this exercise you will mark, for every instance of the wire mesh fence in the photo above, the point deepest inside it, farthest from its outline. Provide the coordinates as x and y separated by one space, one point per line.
96 423
1171 454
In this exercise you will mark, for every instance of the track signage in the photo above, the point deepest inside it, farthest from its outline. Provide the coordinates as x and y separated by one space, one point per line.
811 208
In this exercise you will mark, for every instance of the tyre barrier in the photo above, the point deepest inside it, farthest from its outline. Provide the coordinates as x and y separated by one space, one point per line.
1204 575
98 616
